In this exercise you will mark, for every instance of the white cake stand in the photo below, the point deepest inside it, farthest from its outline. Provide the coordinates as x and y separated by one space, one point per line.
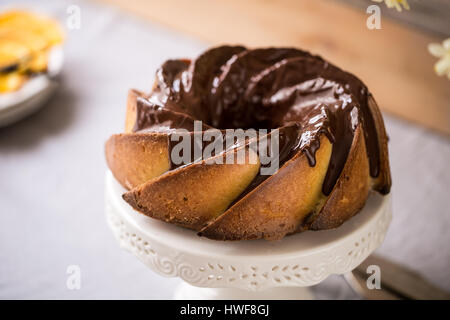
256 269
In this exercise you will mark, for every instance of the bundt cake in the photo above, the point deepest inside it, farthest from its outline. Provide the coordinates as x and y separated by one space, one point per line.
331 142
26 43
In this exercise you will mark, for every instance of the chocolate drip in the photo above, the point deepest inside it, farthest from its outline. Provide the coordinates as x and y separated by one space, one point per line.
290 89
151 117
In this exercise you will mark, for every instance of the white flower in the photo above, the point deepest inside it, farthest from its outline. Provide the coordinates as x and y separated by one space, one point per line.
441 51
397 4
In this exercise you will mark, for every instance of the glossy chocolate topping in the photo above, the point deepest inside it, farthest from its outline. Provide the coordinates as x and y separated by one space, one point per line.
301 94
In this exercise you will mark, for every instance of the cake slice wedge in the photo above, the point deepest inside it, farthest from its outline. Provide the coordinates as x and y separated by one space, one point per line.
278 205
135 158
350 191
195 194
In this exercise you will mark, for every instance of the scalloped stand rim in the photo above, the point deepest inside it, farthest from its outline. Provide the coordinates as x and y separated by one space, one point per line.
297 261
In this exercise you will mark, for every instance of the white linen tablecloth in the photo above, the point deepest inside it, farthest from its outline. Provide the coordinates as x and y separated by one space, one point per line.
52 172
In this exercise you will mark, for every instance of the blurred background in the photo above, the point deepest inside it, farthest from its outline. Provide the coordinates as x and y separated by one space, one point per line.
52 163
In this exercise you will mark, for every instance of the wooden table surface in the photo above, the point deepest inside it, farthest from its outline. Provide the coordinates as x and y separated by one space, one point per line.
393 62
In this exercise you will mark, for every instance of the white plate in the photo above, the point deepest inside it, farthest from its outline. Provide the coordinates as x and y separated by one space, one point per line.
33 94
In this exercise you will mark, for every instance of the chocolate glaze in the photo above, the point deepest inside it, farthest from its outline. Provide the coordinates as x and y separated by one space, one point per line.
301 94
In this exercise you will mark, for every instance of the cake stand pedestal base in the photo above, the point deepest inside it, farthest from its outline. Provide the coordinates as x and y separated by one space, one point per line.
185 291
255 269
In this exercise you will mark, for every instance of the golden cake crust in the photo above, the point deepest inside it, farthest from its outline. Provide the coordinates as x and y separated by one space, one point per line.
135 158
278 205
192 196
350 192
